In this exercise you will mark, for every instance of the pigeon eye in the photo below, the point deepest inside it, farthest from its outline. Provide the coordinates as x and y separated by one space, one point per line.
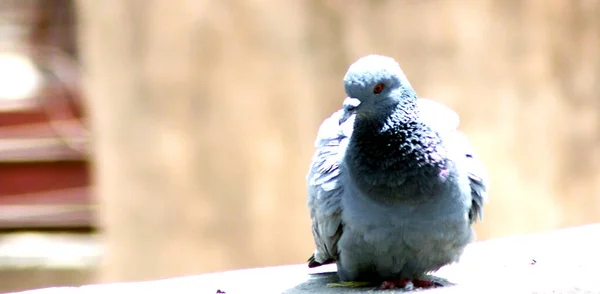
378 88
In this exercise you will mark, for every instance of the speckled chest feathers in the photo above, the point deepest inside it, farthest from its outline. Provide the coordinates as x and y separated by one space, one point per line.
395 155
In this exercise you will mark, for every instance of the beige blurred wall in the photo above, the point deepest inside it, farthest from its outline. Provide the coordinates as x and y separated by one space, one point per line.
234 92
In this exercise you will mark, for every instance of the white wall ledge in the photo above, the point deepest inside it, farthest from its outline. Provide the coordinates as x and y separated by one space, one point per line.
566 261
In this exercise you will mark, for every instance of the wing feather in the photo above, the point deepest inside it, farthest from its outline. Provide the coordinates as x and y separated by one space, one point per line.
325 184
446 121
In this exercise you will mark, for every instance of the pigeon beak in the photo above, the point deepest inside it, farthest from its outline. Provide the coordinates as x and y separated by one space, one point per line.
351 103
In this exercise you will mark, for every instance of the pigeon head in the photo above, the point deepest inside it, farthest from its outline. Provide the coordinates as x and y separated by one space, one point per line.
377 81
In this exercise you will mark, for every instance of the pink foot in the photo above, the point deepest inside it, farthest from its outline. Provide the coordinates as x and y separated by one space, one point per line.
394 284
424 284
406 283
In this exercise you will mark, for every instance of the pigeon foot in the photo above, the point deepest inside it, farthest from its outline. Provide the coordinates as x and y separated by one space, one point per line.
408 284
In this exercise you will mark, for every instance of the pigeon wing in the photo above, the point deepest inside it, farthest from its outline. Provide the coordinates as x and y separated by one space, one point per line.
326 185
445 121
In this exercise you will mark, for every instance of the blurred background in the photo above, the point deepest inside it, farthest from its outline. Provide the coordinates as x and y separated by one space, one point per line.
151 139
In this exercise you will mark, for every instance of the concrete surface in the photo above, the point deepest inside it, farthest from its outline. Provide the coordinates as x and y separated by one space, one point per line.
30 260
556 262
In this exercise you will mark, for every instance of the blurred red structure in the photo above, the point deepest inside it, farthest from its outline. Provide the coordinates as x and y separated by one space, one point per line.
44 176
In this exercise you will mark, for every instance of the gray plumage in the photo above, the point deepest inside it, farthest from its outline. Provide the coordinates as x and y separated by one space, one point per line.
393 187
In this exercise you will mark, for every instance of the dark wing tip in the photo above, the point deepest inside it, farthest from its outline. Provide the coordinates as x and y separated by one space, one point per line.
313 263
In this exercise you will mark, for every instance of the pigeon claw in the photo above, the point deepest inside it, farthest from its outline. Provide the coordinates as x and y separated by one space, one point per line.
397 284
408 284
425 283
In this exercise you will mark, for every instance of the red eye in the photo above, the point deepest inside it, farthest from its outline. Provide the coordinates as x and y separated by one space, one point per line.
378 88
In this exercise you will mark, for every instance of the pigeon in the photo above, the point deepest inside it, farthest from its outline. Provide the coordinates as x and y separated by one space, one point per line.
393 186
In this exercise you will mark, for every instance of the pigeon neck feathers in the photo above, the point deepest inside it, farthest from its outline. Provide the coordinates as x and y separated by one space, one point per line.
394 149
